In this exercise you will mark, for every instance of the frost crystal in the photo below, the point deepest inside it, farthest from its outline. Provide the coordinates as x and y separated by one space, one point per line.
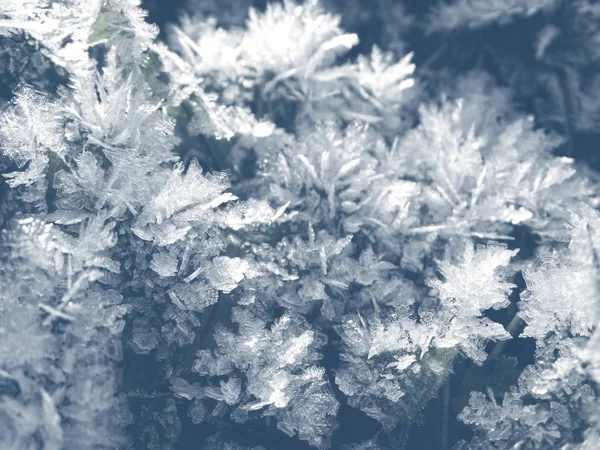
562 288
282 379
279 225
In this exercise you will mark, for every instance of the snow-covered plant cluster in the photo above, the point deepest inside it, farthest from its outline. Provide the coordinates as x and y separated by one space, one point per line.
266 228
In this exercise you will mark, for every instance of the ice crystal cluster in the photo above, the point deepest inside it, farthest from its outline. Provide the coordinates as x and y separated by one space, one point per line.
339 224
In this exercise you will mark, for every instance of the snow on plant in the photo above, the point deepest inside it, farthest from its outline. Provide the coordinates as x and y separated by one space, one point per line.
394 362
287 54
555 396
360 249
280 378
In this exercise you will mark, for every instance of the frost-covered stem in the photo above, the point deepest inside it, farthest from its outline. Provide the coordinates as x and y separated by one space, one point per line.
53 313
427 229
436 228
66 299
437 54
512 328
479 186
114 176
499 237
567 109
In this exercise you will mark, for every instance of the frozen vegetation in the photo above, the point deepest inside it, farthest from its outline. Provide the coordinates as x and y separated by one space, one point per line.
245 232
